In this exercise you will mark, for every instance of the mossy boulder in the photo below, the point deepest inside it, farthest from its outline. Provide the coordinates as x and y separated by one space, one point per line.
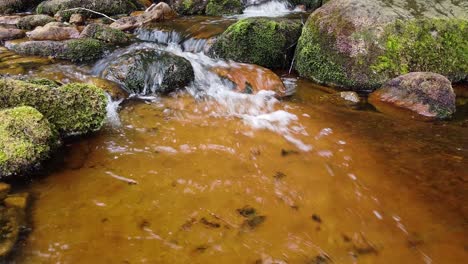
360 44
150 72
428 94
309 4
73 50
16 6
73 108
105 33
108 7
223 7
26 139
269 42
33 21
189 7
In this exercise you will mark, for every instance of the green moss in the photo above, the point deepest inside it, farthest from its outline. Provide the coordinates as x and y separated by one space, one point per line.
108 7
84 50
26 139
432 45
33 21
263 41
105 33
72 108
223 7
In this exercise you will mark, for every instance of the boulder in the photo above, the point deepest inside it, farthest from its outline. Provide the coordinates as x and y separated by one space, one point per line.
105 33
77 19
108 7
11 33
360 44
189 7
12 220
223 7
73 50
428 94
150 72
155 13
54 31
268 42
308 4
10 20
71 108
33 21
26 139
250 79
16 6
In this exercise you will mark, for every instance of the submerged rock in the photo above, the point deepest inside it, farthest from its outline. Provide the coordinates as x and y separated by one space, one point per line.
11 33
268 42
428 94
360 44
250 79
26 139
73 108
150 72
12 219
33 21
54 31
105 33
73 50
156 13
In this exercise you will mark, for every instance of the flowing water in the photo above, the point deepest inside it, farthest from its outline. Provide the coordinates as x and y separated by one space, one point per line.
208 175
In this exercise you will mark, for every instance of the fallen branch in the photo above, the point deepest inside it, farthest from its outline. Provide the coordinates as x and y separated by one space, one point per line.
89 10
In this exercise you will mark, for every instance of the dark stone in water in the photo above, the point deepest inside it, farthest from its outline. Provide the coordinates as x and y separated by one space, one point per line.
209 224
279 175
316 218
147 72
254 222
247 211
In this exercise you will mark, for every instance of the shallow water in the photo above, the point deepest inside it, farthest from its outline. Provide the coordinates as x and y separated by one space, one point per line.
177 180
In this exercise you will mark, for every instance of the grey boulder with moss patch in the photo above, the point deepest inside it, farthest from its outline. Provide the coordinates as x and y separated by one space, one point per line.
105 33
360 44
268 42
72 109
150 72
428 94
26 139
73 50
33 21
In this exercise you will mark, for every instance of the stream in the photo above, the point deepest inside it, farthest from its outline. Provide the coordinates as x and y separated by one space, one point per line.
209 175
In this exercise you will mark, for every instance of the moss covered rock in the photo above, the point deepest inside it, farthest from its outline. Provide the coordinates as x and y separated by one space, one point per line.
268 42
33 21
360 44
105 33
190 7
72 108
26 139
108 7
73 50
223 7
150 72
16 6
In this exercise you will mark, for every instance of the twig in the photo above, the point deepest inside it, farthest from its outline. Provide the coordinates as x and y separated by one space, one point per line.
89 10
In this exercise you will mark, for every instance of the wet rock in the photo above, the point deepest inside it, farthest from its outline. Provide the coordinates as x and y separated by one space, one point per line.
26 139
33 21
360 44
223 7
108 7
247 211
250 79
268 42
12 221
253 222
4 190
189 7
105 33
307 4
150 72
72 108
54 31
113 89
352 97
11 33
428 94
156 13
11 62
77 19
73 50
317 218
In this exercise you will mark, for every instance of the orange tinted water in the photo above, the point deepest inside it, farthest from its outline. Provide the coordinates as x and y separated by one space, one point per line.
167 186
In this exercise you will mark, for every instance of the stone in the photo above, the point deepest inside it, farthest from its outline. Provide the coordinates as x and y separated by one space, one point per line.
77 19
16 6
105 33
352 97
223 7
54 31
11 33
428 94
33 21
361 44
155 13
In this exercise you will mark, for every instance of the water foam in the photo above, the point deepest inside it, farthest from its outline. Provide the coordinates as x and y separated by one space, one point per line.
273 8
